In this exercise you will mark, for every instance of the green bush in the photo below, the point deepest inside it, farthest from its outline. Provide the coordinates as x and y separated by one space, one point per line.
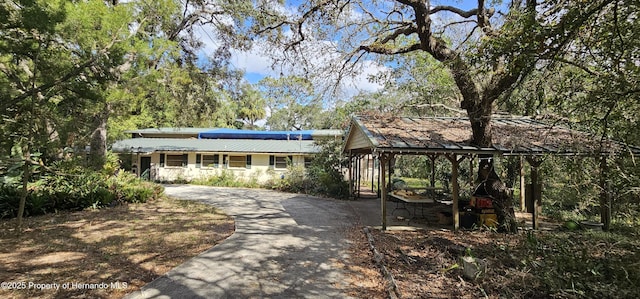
590 264
293 180
323 177
325 171
77 189
227 178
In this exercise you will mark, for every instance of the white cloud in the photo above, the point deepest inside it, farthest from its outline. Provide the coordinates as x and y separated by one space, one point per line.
361 82
320 57
259 60
252 62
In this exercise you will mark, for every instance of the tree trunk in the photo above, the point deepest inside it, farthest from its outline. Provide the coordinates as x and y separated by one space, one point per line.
501 197
26 175
480 119
98 149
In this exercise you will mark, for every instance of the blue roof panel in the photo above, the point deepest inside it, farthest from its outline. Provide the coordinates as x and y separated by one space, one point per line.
256 135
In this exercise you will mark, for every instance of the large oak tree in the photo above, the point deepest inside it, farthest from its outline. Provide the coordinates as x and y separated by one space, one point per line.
488 50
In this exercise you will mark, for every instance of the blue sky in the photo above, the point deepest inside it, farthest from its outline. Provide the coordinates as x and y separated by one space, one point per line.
257 65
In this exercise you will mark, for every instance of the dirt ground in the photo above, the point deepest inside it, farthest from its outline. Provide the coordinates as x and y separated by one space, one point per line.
105 253
111 252
425 263
542 264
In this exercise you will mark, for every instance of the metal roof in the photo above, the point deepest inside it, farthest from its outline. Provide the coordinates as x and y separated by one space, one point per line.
178 130
197 131
253 134
511 136
215 145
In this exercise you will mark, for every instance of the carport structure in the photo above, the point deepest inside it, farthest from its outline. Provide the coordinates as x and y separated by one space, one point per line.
385 136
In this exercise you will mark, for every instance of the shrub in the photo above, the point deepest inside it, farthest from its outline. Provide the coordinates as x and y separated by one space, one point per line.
325 171
227 178
323 176
592 264
76 190
293 180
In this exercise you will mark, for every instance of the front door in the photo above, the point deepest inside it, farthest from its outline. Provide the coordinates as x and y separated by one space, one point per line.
145 168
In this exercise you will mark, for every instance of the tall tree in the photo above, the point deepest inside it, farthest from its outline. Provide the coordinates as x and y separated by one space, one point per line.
292 103
496 52
171 82
251 106
594 86
38 65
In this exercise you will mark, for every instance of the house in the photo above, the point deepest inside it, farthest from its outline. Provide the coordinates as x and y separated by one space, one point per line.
170 154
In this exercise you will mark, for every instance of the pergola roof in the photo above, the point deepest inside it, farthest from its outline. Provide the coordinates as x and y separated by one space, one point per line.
511 136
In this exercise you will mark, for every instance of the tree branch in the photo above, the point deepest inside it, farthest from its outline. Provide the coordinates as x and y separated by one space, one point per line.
578 65
76 71
381 49
463 13
406 31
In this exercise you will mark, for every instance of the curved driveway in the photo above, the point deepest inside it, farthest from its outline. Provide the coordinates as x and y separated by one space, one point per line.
285 246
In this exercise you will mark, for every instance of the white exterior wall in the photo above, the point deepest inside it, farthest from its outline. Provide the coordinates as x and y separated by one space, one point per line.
260 169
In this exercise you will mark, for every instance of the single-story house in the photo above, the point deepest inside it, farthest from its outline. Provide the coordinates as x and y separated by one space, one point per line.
170 154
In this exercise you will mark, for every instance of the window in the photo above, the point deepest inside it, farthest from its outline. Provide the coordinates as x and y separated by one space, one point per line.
177 160
280 162
211 161
237 161
307 162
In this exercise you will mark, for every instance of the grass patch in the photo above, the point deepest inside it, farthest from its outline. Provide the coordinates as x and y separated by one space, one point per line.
123 247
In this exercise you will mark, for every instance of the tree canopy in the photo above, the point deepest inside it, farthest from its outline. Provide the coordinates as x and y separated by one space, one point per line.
488 48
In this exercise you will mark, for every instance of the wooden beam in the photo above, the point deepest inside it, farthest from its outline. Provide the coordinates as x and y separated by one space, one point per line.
523 204
390 168
433 170
383 189
366 168
373 172
535 192
359 173
379 175
471 185
350 173
455 162
605 197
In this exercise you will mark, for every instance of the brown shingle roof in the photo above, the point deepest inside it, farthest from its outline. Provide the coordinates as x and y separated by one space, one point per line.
511 135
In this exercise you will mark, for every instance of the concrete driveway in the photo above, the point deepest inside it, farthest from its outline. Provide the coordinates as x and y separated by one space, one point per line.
285 246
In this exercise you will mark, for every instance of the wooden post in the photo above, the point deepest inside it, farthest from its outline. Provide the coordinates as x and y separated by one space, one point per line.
359 174
471 185
383 187
455 162
390 158
523 204
373 172
379 175
366 168
535 192
433 170
605 197
350 174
